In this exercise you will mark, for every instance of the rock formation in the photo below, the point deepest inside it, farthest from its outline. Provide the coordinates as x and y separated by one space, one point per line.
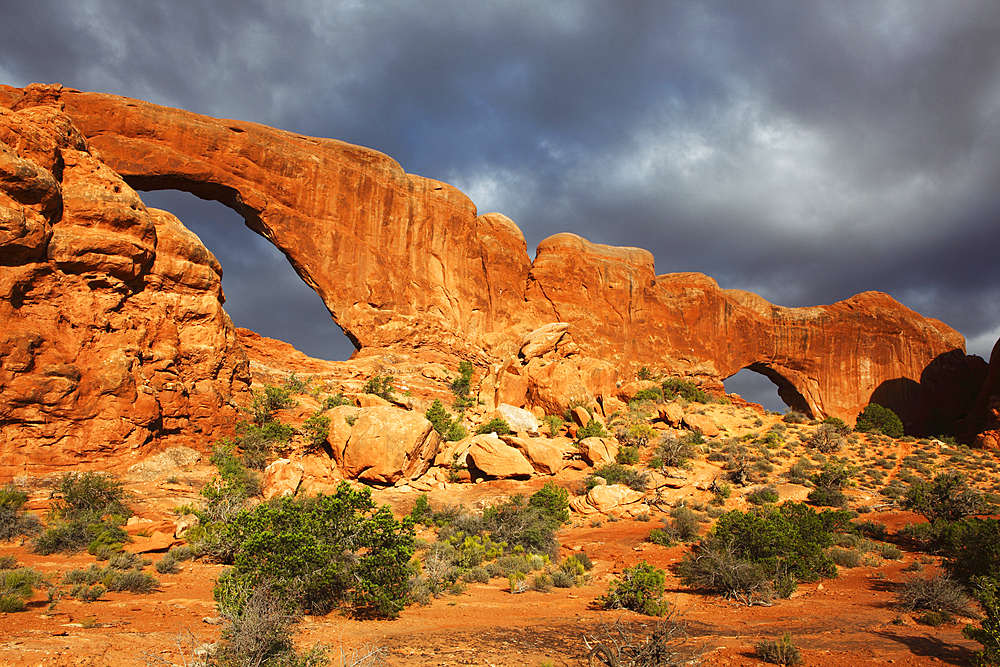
112 330
112 319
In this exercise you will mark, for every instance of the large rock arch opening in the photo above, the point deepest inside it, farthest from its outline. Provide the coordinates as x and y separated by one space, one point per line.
263 292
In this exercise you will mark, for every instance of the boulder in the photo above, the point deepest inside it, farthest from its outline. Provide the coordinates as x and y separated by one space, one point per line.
495 458
282 478
388 444
702 424
628 390
671 413
598 451
546 457
520 420
610 496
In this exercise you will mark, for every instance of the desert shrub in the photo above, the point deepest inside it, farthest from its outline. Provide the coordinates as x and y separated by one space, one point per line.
845 557
767 494
972 548
131 581
639 589
881 419
634 435
18 586
800 471
91 511
838 424
721 492
328 550
297 385
530 525
553 502
685 524
890 551
234 483
948 497
439 417
168 564
495 425
462 385
541 582
937 593
826 497
655 395
686 389
336 401
675 451
14 522
554 422
661 536
627 455
825 439
268 401
379 385
778 651
794 417
988 633
317 430
593 429
749 553
616 473
563 579
258 632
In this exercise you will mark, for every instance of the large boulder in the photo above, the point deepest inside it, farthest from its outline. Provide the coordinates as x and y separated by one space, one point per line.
495 458
519 420
388 444
546 455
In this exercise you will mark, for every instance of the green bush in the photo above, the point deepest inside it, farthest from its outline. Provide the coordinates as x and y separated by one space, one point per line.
268 401
686 389
552 502
593 429
763 496
14 522
317 431
948 497
381 386
296 385
655 395
752 555
18 586
495 425
328 550
462 385
640 589
627 455
972 548
988 633
877 418
91 511
554 422
336 401
616 473
439 417
663 537
779 652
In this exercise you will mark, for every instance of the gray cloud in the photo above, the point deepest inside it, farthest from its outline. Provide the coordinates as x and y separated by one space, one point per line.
805 151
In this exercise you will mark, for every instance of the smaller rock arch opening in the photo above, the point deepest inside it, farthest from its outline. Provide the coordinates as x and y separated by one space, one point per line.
759 383
263 291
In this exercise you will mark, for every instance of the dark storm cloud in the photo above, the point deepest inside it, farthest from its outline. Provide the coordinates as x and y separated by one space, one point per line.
805 151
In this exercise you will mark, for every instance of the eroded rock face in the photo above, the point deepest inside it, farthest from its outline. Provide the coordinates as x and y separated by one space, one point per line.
112 332
406 265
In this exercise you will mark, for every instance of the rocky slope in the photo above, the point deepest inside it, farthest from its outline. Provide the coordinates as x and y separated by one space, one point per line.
112 331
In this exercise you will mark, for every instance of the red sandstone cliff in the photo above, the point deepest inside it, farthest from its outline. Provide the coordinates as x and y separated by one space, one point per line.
405 266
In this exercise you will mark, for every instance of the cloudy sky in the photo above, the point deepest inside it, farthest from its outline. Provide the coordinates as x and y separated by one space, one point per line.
806 151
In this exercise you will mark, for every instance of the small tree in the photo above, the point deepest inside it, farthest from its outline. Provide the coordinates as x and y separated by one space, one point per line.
948 497
877 418
639 589
988 633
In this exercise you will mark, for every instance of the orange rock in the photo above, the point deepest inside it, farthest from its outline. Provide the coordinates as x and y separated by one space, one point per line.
495 458
702 424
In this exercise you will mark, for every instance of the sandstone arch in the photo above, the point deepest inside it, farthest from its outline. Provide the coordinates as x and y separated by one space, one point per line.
405 263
